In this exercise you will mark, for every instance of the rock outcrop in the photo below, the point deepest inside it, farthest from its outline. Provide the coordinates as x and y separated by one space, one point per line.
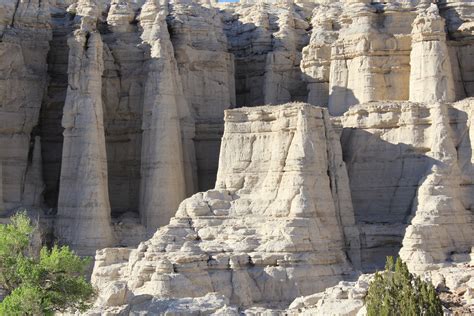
370 59
271 230
162 165
347 298
112 117
442 228
431 76
25 30
266 40
83 219
393 155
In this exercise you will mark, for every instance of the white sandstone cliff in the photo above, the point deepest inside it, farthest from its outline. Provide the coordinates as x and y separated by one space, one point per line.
270 231
83 207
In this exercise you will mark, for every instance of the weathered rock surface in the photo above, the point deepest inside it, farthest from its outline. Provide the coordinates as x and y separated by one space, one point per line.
270 231
431 75
266 40
346 298
442 227
162 171
454 283
83 219
111 114
206 69
25 30
395 154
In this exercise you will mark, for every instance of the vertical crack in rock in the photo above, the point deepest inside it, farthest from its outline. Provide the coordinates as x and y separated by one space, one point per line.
34 186
12 23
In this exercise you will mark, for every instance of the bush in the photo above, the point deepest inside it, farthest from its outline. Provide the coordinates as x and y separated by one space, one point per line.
39 284
397 292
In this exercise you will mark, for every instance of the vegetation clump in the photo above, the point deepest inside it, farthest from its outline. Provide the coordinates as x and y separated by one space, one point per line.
39 283
398 292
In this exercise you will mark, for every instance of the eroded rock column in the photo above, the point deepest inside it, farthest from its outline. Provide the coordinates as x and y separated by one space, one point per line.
441 226
282 80
316 60
163 184
25 32
270 231
83 207
370 59
431 76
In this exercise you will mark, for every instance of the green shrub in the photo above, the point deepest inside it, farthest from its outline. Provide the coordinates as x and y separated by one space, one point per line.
39 284
397 292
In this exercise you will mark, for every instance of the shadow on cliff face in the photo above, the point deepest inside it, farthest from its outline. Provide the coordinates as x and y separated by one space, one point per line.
257 68
384 178
463 145
340 99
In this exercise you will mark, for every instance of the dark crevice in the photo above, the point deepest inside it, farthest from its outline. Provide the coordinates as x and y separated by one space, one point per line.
14 13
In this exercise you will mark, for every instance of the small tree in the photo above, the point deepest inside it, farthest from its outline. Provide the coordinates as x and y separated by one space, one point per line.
39 284
397 292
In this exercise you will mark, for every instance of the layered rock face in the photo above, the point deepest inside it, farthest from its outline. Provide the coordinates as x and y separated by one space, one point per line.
83 206
271 230
112 117
395 154
206 68
24 34
267 40
363 51
431 76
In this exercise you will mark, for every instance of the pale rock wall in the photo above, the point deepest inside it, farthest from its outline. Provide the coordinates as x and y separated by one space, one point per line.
83 219
360 51
431 75
266 41
441 226
145 83
384 149
282 81
460 24
206 69
316 60
123 96
163 184
24 34
51 130
271 230
389 149
159 75
370 59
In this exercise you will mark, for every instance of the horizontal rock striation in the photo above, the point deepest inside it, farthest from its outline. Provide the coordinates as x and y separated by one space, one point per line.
112 118
271 230
25 31
394 153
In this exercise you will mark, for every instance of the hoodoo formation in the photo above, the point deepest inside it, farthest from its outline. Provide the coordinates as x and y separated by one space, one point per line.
254 156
